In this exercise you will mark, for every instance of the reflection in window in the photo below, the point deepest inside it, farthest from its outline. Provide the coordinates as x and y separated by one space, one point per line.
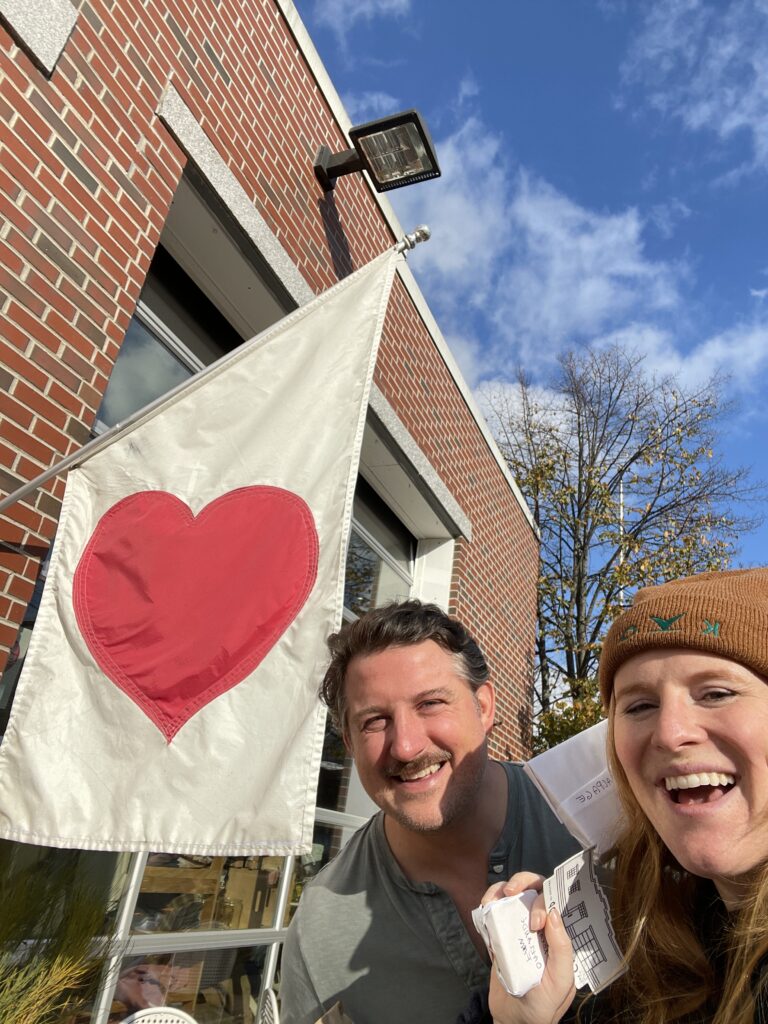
188 893
144 370
379 522
380 556
217 985
379 570
370 580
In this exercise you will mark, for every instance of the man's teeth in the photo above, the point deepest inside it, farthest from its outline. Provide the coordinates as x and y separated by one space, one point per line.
420 775
699 779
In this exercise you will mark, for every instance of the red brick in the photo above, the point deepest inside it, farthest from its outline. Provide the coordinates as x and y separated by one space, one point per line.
82 367
85 305
7 455
13 360
75 226
7 184
49 435
29 469
39 404
63 328
65 399
12 213
21 291
21 589
55 368
32 327
91 396
11 533
32 256
8 635
25 442
16 412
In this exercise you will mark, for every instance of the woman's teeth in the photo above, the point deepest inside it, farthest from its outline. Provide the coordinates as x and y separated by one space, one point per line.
699 779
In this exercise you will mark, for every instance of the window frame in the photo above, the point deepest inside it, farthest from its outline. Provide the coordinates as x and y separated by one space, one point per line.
165 337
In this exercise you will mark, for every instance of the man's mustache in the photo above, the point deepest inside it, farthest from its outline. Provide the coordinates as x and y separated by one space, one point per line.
418 764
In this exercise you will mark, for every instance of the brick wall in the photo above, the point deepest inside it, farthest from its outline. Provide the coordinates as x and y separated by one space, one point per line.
87 175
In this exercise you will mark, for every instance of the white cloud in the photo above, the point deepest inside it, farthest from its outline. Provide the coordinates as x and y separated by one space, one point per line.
466 209
759 293
367 106
666 216
741 353
576 272
517 262
736 357
517 272
705 63
471 356
341 15
468 88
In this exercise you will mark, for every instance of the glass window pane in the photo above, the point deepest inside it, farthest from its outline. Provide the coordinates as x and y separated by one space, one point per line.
219 985
185 893
307 866
383 525
186 311
370 581
144 370
45 873
326 843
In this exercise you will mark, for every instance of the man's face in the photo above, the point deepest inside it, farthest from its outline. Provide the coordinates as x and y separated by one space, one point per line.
418 733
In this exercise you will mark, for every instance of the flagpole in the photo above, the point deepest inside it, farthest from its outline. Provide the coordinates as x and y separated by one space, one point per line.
92 447
419 234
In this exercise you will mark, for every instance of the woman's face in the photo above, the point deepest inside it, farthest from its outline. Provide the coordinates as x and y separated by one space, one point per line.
691 732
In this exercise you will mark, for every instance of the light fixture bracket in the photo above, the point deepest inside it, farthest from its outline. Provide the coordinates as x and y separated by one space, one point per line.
395 151
330 166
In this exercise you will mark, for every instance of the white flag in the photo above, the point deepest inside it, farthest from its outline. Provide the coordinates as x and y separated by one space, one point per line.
168 699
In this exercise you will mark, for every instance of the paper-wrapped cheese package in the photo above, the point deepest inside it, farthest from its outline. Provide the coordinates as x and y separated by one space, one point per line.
519 954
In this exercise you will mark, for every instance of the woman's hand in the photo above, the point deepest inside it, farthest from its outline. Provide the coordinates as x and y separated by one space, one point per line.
546 1003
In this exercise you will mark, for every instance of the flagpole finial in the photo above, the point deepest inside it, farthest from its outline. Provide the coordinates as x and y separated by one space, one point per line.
419 234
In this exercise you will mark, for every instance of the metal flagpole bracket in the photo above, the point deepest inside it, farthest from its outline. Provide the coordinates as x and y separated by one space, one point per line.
419 234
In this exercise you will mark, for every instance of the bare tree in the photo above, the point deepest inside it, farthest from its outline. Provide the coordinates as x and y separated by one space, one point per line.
625 483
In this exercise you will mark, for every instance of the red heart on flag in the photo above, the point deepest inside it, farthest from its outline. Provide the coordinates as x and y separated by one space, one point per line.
177 609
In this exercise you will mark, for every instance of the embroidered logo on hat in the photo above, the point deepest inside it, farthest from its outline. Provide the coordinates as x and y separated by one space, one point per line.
665 625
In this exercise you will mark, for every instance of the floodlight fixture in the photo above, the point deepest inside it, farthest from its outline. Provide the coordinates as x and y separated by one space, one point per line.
395 150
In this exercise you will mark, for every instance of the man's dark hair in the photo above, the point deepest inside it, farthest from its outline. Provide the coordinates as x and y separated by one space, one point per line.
397 625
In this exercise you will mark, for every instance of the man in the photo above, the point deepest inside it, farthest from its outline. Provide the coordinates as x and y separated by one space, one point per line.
386 927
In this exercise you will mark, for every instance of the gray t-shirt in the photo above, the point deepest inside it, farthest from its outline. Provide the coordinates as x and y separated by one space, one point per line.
395 951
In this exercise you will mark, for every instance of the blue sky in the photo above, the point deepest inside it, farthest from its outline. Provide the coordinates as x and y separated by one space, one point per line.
605 175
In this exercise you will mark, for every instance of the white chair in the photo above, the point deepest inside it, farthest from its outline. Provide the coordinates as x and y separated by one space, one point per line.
269 1012
159 1015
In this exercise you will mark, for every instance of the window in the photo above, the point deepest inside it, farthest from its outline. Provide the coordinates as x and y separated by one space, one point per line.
380 556
379 570
167 341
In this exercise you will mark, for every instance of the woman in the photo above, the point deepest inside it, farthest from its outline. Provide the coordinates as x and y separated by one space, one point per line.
684 678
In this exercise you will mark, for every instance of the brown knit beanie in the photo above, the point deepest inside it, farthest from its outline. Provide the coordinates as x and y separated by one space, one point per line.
722 613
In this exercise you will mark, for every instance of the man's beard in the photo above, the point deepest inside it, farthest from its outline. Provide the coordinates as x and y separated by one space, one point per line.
458 800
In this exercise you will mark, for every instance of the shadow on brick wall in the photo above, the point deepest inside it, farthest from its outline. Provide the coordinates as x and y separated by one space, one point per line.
334 233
